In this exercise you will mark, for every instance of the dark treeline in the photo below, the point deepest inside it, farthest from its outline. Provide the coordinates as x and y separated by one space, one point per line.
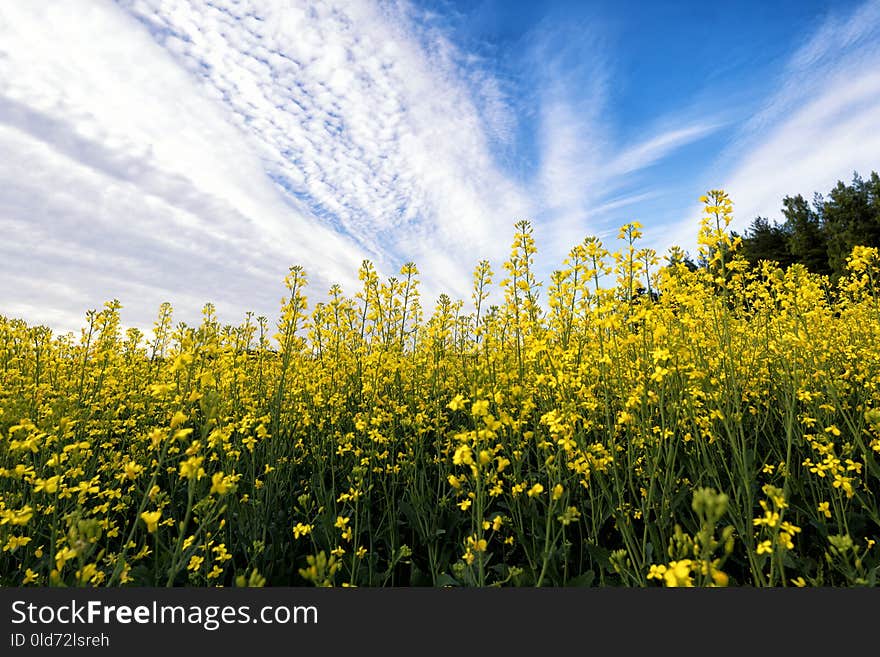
820 235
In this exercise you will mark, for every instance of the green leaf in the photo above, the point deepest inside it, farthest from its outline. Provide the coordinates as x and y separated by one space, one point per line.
445 579
586 579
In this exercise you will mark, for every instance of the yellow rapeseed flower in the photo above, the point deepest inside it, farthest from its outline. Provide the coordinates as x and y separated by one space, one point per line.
131 470
457 403
300 529
678 573
220 484
151 519
192 468
49 485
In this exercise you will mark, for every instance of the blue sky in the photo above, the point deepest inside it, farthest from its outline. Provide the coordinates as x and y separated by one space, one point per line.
191 151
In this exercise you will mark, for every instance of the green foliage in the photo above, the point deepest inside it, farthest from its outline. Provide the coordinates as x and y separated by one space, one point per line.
820 235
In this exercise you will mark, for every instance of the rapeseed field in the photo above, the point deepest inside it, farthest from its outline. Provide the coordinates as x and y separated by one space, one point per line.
633 421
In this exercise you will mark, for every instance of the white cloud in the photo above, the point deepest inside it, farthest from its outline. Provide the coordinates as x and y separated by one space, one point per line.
824 141
838 33
822 124
120 171
197 150
585 174
192 151
378 131
655 148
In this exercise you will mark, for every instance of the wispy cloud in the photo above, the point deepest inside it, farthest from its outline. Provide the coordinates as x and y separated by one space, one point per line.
819 127
586 170
359 115
198 149
192 151
838 34
120 172
655 148
822 124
